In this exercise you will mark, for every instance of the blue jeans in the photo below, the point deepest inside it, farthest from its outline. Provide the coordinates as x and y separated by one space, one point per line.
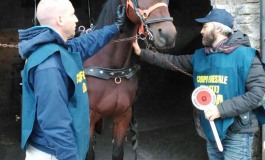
236 147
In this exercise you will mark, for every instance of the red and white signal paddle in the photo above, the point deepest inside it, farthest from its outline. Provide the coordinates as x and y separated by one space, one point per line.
203 97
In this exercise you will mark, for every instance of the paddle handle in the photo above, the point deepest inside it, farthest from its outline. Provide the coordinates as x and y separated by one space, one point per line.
216 136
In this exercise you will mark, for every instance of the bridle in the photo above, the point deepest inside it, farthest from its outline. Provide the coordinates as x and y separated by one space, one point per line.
139 16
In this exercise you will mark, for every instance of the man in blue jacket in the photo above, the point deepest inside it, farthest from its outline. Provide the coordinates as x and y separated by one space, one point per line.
55 114
234 71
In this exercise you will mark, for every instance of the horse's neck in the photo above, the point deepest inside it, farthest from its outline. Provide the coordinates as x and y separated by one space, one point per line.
114 54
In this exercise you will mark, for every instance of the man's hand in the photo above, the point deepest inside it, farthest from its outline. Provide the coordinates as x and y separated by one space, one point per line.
136 47
211 113
120 16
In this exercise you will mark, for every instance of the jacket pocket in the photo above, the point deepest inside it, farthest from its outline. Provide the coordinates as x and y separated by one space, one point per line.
241 121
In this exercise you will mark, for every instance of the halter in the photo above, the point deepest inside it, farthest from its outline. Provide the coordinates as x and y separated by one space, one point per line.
139 16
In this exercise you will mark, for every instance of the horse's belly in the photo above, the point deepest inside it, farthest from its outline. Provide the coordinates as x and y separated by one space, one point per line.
112 98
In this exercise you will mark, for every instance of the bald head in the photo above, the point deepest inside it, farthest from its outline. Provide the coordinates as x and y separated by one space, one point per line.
49 10
59 15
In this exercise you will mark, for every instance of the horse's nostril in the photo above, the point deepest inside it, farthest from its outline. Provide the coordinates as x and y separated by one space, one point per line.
159 30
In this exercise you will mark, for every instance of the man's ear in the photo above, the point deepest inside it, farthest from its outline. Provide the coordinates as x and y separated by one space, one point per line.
218 28
60 20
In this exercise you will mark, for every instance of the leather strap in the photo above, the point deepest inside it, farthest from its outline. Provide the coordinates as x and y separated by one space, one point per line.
107 73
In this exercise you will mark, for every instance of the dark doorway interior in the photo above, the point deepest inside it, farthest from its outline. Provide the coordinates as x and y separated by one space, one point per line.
163 108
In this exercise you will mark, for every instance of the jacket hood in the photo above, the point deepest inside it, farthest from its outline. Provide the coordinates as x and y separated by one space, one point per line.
32 38
238 38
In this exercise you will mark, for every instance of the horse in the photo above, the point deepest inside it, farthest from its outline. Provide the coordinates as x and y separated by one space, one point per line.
110 74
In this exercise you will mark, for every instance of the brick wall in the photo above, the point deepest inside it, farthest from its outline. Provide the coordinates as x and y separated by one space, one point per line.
246 14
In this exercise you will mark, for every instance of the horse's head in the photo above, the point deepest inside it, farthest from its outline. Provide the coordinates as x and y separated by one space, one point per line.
154 20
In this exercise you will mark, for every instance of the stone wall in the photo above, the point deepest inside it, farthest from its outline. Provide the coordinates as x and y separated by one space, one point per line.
246 14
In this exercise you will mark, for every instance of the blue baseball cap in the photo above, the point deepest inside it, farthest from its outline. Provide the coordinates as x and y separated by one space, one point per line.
218 15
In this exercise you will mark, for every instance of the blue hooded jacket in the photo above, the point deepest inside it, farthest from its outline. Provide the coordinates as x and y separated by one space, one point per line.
53 124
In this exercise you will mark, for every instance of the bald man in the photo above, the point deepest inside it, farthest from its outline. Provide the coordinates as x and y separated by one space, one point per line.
55 122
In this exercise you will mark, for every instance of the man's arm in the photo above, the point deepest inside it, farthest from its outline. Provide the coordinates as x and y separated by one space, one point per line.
255 86
183 62
90 43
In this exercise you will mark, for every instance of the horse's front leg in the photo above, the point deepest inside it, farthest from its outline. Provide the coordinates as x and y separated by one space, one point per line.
91 151
120 126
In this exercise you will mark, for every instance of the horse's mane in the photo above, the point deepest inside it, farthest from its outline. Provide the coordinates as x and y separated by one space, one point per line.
108 14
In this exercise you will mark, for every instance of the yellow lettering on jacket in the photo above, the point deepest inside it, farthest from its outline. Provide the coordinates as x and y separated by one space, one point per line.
80 77
84 87
215 88
219 99
216 79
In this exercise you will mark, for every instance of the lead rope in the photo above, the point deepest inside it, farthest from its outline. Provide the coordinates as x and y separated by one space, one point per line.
154 51
142 37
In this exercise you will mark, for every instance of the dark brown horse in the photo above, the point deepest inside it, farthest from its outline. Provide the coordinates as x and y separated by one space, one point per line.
112 83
